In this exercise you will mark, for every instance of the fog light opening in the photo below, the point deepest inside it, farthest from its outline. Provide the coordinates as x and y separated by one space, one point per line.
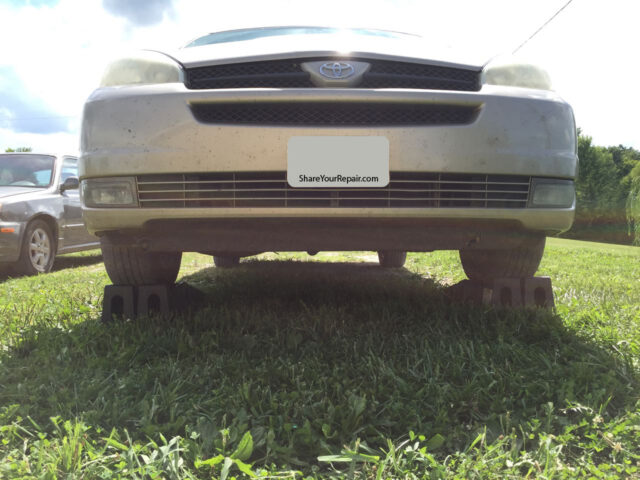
551 193
109 192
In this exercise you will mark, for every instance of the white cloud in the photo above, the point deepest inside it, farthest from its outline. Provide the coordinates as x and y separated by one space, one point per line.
59 59
67 143
590 52
22 110
147 12
588 49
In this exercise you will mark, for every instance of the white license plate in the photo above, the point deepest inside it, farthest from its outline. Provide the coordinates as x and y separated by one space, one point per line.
338 161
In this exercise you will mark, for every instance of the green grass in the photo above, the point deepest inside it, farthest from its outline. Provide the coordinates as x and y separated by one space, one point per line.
623 250
325 367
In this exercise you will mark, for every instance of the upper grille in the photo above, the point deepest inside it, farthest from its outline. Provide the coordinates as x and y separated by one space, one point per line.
270 189
420 76
333 114
272 74
289 74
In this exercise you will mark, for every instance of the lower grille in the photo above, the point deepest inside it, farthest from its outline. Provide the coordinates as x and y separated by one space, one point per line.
329 114
270 189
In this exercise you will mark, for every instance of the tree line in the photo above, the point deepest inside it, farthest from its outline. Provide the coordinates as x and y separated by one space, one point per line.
18 150
608 193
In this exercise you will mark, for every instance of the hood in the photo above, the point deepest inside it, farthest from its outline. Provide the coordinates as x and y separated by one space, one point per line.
412 48
9 191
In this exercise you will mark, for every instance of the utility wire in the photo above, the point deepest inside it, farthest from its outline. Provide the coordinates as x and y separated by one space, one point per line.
543 25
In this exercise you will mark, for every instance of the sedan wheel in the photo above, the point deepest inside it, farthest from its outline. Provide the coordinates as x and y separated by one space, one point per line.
226 261
392 258
519 262
130 265
38 249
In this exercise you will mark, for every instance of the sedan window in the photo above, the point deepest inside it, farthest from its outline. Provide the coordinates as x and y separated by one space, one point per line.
26 170
69 169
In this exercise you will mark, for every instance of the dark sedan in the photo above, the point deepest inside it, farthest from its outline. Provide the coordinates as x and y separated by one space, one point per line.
40 214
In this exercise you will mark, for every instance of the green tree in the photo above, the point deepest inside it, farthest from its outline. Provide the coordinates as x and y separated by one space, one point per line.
597 184
624 158
18 150
603 191
633 203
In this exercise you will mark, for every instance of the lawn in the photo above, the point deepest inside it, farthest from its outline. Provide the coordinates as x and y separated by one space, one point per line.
293 366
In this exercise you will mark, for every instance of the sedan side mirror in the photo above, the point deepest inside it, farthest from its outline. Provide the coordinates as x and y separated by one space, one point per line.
71 183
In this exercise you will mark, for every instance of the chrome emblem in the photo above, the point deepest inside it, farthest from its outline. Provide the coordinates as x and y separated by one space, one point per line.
335 74
337 70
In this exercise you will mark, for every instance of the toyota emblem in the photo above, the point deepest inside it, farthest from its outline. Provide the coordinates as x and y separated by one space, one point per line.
337 70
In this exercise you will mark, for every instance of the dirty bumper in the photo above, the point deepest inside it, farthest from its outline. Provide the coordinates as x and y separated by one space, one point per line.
228 236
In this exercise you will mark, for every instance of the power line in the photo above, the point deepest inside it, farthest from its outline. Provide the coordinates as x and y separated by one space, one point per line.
543 25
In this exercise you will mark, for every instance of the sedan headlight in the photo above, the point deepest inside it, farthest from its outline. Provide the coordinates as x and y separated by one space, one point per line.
109 192
145 67
510 72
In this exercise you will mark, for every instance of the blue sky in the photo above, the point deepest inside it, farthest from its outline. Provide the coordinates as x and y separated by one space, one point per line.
48 69
23 111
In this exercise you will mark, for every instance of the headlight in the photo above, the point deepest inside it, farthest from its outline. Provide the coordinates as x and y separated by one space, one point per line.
550 193
145 67
510 72
109 192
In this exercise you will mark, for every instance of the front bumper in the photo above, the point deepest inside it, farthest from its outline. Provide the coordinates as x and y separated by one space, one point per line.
141 130
543 220
244 237
10 241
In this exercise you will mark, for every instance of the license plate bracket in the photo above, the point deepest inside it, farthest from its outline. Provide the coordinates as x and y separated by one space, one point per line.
338 161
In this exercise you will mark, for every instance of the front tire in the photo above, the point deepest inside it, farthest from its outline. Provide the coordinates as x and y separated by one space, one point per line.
128 265
392 258
520 262
226 261
38 250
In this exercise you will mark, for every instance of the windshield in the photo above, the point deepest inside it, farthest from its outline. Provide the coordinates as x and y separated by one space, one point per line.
254 33
26 170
